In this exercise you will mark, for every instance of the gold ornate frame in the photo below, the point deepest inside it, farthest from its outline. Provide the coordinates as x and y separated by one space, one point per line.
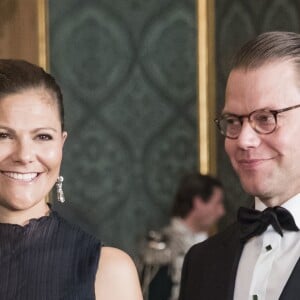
42 8
23 30
206 86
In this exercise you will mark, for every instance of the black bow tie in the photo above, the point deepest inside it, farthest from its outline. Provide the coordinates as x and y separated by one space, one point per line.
254 222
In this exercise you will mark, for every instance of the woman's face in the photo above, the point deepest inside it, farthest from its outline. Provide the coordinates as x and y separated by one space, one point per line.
31 143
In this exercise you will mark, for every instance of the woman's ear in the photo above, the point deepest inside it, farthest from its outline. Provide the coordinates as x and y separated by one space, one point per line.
64 136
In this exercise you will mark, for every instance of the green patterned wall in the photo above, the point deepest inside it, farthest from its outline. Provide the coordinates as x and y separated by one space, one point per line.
128 73
236 22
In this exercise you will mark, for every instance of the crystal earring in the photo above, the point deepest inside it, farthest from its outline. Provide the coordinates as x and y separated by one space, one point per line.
59 191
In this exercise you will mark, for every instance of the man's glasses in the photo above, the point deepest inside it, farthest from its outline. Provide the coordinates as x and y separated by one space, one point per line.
263 121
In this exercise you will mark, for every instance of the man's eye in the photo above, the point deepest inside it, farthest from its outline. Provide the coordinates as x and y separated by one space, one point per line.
264 118
232 121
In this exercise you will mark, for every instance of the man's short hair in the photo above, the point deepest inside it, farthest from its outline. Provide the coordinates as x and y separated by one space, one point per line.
190 186
268 47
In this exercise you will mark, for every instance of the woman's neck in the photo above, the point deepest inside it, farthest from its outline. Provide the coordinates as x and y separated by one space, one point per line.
23 216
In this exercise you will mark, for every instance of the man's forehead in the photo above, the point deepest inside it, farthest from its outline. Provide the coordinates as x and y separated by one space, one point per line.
264 87
285 65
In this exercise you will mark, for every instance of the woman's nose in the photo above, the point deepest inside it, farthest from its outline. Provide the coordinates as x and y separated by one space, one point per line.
23 151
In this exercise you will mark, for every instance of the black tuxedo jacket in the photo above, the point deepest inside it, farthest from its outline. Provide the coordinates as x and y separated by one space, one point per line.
210 268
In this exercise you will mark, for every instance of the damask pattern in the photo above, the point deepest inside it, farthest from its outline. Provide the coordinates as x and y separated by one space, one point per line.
128 72
236 22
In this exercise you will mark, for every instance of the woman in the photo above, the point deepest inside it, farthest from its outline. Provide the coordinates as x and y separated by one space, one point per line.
41 255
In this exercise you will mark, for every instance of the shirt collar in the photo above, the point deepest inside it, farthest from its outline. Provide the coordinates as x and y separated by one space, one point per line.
292 205
179 226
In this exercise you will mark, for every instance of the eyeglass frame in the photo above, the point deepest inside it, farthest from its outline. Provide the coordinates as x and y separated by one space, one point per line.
274 112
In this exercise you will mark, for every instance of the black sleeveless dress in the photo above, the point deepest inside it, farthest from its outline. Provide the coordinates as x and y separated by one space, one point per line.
48 259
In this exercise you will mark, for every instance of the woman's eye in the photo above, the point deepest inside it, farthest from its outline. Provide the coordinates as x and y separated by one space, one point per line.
4 135
44 137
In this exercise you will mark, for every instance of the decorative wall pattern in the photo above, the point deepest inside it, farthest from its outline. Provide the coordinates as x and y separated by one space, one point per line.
236 22
128 72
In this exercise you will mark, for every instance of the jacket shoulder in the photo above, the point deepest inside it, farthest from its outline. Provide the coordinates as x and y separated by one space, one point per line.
228 236
209 266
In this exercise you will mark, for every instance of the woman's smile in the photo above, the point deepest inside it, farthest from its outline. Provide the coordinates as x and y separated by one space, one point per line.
28 177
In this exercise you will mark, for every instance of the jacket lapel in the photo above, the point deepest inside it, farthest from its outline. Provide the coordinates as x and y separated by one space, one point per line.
291 290
231 285
235 248
232 250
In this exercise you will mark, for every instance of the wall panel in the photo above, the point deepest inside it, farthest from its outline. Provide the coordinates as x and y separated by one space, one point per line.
128 72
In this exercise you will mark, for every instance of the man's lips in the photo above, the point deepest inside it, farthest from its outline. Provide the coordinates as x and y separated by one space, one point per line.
252 162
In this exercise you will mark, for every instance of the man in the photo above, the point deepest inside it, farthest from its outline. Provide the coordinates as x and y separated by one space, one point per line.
197 207
258 257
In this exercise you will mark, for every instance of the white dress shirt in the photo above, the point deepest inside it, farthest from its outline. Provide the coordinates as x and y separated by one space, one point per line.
182 238
268 260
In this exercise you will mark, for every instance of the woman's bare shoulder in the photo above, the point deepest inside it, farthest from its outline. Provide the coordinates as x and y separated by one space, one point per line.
116 277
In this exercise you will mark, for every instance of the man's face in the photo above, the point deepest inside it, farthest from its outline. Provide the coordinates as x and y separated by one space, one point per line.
209 213
268 165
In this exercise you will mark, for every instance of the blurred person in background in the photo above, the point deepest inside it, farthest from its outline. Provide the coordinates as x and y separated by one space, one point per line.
197 207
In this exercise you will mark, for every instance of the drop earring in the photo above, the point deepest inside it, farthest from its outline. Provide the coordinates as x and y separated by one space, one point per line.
59 191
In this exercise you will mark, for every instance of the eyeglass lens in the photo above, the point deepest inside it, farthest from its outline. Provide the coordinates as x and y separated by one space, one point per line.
261 121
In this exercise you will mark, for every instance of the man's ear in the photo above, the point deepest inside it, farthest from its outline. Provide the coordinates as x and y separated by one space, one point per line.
198 202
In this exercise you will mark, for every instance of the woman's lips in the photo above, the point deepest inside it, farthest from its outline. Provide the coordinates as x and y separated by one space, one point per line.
21 176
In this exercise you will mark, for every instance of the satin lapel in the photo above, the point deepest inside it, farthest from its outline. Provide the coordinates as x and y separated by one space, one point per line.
291 290
232 250
237 256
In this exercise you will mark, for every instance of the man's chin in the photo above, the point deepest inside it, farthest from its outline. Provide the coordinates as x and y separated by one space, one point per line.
255 188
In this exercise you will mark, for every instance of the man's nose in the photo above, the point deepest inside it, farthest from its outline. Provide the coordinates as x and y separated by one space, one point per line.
248 137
